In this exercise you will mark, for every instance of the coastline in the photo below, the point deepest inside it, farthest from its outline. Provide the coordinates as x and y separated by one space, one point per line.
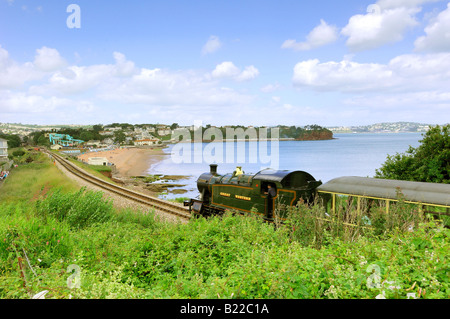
131 169
129 161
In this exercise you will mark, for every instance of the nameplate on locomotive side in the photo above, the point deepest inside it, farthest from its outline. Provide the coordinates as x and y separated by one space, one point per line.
243 197
225 194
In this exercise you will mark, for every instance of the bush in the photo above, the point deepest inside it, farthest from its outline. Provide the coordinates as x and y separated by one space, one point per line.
18 153
426 163
79 209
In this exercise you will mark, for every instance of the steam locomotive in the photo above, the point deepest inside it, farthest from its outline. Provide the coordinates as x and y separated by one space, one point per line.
249 194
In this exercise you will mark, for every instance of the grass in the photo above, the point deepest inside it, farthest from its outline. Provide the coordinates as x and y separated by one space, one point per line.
28 181
131 254
94 170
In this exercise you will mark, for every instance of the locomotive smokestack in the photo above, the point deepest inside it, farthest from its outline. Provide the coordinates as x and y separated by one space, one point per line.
213 169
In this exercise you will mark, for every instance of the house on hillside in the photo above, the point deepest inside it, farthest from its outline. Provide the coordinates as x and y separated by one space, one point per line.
146 141
3 150
164 131
93 143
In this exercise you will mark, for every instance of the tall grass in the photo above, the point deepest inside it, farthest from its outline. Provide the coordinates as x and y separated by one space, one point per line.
315 226
29 181
79 209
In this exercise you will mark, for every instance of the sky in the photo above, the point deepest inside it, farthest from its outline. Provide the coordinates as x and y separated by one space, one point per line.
233 62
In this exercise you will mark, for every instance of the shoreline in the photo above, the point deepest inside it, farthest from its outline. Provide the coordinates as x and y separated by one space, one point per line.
132 166
129 162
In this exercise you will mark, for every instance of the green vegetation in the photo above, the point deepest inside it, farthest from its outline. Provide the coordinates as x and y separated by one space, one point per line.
132 254
32 179
427 163
95 170
81 133
48 224
309 132
13 139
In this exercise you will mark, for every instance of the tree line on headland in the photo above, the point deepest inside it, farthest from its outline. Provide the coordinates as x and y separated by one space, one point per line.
306 133
96 132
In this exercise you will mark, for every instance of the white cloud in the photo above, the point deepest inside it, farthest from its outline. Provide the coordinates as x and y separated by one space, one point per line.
13 102
343 76
437 38
229 70
75 80
410 72
225 69
123 66
162 87
321 35
13 74
79 79
212 45
48 59
249 73
269 88
373 30
62 93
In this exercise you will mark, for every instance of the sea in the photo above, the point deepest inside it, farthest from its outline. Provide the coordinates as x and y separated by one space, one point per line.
348 154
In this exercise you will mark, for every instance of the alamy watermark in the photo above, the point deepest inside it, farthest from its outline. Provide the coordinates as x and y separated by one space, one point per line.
74 19
225 145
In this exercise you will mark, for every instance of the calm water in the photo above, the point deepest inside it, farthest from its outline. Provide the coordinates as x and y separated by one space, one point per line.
347 155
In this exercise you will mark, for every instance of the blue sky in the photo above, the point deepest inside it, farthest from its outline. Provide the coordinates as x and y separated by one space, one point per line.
225 62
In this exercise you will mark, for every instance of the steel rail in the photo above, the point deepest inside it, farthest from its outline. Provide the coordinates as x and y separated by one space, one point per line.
156 203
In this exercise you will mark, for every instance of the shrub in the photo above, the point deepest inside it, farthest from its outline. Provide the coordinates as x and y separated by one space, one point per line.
18 153
79 209
426 163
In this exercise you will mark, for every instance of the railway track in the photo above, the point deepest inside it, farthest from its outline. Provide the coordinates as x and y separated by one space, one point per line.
156 203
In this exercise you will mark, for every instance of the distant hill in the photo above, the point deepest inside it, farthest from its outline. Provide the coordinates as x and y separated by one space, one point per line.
397 127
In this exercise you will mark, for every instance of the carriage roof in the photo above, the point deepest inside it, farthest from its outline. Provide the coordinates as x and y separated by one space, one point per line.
417 192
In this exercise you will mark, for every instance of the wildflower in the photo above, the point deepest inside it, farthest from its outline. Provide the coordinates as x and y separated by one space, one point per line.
47 243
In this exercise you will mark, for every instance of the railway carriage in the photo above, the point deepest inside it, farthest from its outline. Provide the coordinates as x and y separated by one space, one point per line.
428 197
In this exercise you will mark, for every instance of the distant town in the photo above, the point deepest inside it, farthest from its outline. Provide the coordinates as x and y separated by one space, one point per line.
159 134
397 127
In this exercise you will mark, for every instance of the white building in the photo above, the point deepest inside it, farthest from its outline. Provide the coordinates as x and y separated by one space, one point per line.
56 147
108 141
93 143
112 129
146 141
3 149
164 131
98 161
106 133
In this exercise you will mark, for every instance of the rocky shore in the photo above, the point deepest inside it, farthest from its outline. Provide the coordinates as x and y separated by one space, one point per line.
130 167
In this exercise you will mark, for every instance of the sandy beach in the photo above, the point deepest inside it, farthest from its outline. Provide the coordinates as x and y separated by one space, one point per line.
129 161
